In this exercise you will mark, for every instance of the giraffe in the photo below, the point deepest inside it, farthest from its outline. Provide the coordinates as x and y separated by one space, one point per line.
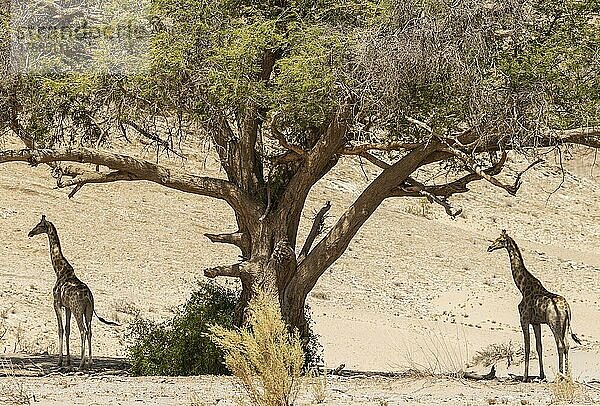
538 307
71 294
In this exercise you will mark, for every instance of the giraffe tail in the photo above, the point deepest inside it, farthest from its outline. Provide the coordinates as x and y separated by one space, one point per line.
110 323
573 336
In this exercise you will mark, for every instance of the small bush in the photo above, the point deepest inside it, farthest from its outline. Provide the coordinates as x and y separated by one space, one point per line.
422 208
265 356
498 352
563 389
313 350
318 384
181 346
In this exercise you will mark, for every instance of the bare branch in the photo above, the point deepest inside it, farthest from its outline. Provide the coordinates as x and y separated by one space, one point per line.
448 189
75 190
416 188
518 182
151 136
473 165
129 168
387 146
239 239
234 271
374 160
85 177
281 138
315 230
96 177
419 124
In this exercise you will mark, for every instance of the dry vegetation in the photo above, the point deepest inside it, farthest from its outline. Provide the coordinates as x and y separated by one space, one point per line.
264 357
510 352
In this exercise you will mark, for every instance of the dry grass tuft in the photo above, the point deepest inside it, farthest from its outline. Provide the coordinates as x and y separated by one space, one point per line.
422 208
13 391
265 357
563 389
497 352
438 353
318 384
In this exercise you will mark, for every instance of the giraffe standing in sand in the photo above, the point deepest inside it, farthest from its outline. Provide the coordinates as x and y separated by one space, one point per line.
538 307
72 295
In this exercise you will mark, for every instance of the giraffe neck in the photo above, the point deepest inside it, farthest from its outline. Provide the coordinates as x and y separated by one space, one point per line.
59 262
522 277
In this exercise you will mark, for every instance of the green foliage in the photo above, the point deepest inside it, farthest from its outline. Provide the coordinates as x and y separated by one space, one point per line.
499 67
555 56
180 346
313 350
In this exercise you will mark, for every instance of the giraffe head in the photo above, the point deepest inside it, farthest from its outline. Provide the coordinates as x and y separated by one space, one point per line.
501 242
42 227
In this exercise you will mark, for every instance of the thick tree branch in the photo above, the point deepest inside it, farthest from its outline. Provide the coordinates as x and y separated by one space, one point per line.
129 168
86 177
285 158
299 152
374 160
589 136
336 241
239 239
315 230
472 142
318 161
234 271
225 146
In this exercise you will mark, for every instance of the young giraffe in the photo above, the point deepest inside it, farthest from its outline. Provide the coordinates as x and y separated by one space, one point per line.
538 307
71 294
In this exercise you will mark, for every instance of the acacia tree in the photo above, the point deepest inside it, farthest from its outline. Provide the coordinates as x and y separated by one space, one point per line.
283 89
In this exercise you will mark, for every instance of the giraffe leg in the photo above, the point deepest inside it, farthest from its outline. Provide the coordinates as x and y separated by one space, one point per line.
58 311
525 328
556 330
537 330
68 333
83 333
88 322
565 341
566 354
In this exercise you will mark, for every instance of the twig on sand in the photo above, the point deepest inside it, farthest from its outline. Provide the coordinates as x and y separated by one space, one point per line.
481 377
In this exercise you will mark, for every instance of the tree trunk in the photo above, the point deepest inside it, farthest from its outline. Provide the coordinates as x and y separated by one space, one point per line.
269 268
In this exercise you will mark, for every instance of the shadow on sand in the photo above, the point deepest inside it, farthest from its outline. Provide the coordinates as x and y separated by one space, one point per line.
44 365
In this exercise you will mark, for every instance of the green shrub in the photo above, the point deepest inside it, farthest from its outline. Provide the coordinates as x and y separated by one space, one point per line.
313 350
180 346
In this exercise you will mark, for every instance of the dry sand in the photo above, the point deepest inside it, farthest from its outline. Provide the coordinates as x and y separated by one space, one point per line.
412 292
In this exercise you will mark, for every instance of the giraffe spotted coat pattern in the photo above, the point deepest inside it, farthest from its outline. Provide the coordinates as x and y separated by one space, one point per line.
69 294
538 306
